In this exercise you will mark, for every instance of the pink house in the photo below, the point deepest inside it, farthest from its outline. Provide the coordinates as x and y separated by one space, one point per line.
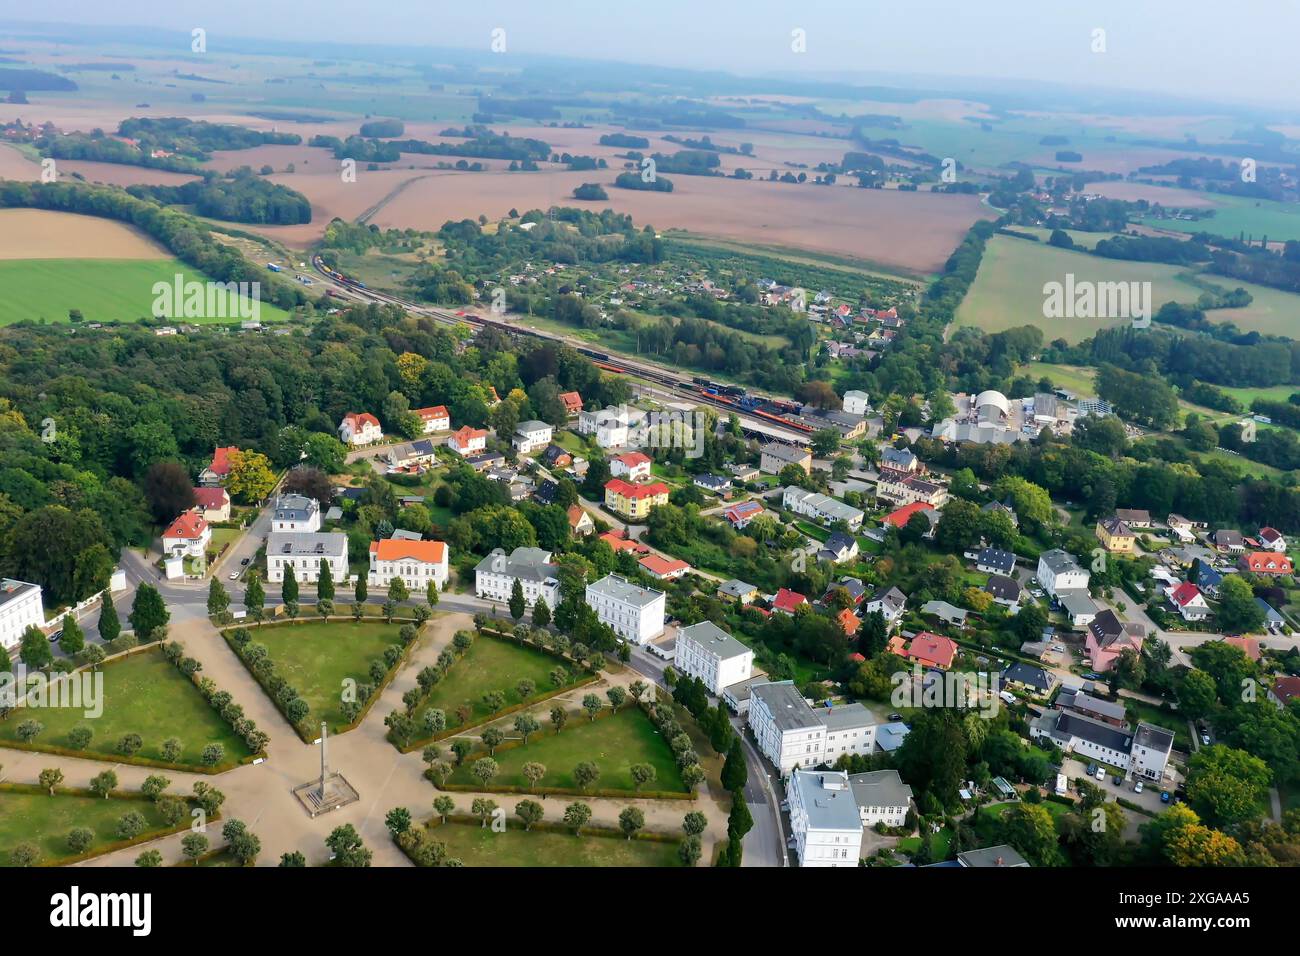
1108 637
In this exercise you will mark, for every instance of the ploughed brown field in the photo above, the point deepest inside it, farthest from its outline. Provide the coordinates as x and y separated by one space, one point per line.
46 234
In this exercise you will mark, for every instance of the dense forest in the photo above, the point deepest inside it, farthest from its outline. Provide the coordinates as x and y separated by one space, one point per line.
239 196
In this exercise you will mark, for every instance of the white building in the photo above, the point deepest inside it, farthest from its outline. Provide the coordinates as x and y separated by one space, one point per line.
415 562
631 466
856 402
360 428
882 797
888 603
188 536
531 435
707 652
304 551
1143 753
819 507
295 513
1058 571
495 576
434 419
635 613
20 608
824 819
614 427
467 441
792 733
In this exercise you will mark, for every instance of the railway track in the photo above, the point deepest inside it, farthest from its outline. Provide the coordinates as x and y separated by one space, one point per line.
755 422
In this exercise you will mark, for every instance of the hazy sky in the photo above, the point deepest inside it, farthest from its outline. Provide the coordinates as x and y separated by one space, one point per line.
1237 50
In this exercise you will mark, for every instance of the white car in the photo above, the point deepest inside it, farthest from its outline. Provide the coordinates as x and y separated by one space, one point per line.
234 575
1205 740
1137 787
1101 773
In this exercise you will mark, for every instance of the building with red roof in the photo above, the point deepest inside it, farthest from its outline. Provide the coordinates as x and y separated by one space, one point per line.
216 472
1267 562
619 543
213 503
634 501
435 418
189 535
932 650
742 513
1284 690
360 428
631 466
416 563
665 569
787 601
1189 601
899 517
572 403
849 621
467 441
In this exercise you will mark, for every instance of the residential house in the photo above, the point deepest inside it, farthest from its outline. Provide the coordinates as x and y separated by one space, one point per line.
787 601
776 456
531 435
187 536
213 503
1108 637
1116 536
848 621
838 547
899 517
882 797
742 513
1274 622
1001 507
360 428
819 507
631 466
411 455
468 442
742 592
483 460
304 551
889 603
1188 601
717 484
663 569
850 586
932 650
824 821
580 523
791 733
634 502
433 419
901 488
1029 676
572 403
948 613
546 492
995 561
415 562
555 457
538 576
1004 590
20 608
901 459
744 473
1080 701
1134 517
708 653
1059 572
1267 562
1247 645
1181 528
1078 607
1272 540
1284 690
219 468
1230 541
1206 577
1143 752
635 614
295 513
856 402
614 427
618 541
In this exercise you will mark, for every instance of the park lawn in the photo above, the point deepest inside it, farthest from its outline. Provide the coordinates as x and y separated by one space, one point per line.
317 657
46 289
143 694
612 743
493 663
476 845
45 821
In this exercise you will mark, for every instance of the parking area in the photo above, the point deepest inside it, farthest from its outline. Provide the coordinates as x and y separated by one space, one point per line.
1148 799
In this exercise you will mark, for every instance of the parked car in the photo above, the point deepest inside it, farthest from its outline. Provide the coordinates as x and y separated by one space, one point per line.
234 575
56 636
895 716
1137 787
1205 740
244 562
1164 796
1117 780
1101 774
1092 768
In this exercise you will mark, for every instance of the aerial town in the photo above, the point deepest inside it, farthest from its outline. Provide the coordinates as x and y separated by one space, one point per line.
507 505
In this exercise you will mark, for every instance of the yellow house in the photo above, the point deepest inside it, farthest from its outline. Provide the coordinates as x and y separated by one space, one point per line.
1116 536
634 501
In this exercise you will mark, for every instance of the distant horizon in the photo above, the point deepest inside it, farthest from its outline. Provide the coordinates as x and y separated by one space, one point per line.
903 49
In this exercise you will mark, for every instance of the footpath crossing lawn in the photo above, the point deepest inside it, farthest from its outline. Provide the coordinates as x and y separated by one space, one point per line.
493 664
612 743
143 694
45 821
475 845
317 657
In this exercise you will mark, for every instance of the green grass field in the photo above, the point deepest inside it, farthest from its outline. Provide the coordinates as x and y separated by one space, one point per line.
45 821
317 657
1235 215
613 743
1008 291
105 290
493 664
145 695
475 845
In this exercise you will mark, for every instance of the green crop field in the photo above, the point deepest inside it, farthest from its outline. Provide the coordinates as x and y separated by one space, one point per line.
1235 215
105 290
143 694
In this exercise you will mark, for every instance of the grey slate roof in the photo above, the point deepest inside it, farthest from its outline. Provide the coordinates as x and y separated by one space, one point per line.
880 788
828 809
621 589
1153 738
714 640
1001 855
298 544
